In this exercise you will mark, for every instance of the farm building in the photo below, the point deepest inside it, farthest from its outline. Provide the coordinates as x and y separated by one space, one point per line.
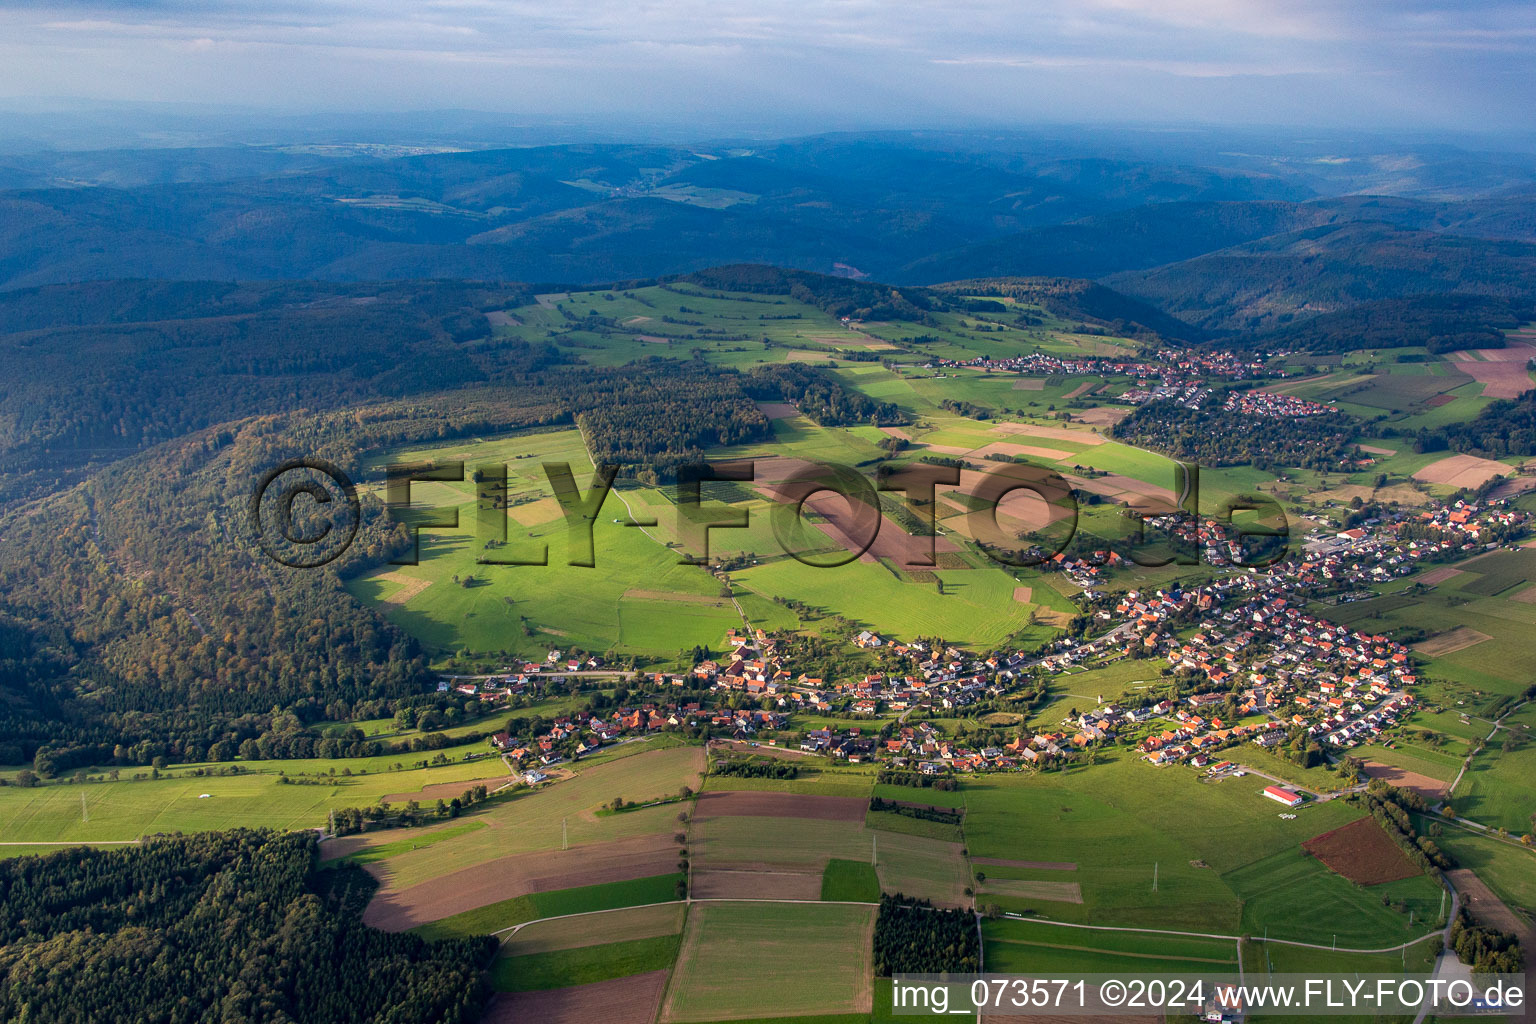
1285 796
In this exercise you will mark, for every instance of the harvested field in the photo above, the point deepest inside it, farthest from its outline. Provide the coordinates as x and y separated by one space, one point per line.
1009 448
743 747
1513 487
1054 892
1440 575
501 318
1362 852
1430 788
1462 471
1103 416
1488 909
1022 594
1081 389
400 910
846 525
1032 865
778 805
931 869
756 960
778 410
1029 384
1526 596
666 595
1451 641
1501 371
722 883
621 1001
1374 450
449 790
410 586
595 929
1051 433
536 513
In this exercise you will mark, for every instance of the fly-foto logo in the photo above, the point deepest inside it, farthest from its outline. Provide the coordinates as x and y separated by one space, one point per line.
306 513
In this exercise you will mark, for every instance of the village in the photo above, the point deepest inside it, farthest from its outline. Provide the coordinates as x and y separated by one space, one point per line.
1237 660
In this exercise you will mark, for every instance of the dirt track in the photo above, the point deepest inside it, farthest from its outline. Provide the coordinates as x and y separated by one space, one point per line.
507 877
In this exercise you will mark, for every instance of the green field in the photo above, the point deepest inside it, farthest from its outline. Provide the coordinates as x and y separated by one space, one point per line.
1499 790
1019 947
850 881
1274 891
583 965
584 899
130 809
1507 867
1122 822
744 960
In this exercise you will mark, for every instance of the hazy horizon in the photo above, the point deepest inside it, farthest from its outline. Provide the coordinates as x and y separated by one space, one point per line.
1427 66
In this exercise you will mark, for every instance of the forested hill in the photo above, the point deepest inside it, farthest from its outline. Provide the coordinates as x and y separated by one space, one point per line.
233 926
97 371
1440 323
1084 301
1265 284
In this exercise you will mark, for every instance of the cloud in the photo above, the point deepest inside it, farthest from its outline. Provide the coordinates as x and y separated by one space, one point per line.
1235 60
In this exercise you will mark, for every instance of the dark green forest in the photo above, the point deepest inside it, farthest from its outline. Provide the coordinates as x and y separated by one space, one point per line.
1505 427
1213 436
235 926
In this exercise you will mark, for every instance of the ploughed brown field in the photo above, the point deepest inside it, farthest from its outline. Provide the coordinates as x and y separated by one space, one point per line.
1501 370
1440 575
398 910
734 803
630 1000
729 883
1429 788
1451 641
1362 852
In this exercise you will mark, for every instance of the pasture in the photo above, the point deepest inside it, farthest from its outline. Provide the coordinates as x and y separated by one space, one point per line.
1122 822
131 808
1499 790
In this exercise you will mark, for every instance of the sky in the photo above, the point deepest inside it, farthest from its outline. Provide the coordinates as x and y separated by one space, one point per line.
1447 64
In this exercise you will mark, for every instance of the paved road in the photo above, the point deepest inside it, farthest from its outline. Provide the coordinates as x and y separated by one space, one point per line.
1443 968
